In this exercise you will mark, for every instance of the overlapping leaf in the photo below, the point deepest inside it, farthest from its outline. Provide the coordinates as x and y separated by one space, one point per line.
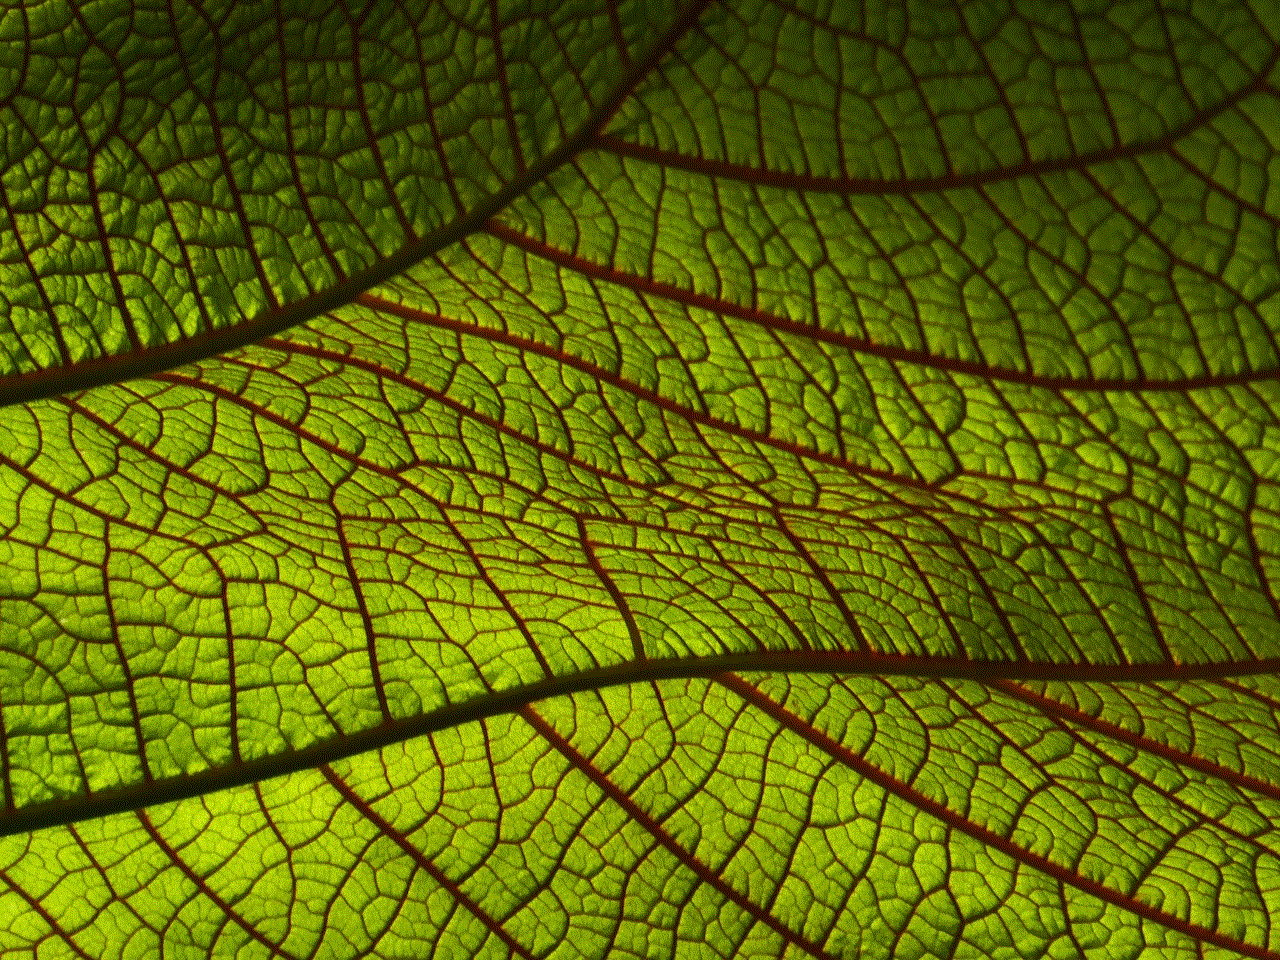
933 347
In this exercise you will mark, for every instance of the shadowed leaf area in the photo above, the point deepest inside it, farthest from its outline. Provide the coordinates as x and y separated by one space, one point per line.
728 480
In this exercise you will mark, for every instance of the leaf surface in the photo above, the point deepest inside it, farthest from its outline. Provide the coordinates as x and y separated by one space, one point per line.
814 496
182 179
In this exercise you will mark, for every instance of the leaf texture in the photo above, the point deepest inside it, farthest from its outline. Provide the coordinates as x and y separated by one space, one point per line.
183 179
801 815
810 490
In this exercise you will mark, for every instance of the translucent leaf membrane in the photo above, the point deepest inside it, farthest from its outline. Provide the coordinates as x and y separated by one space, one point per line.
299 543
763 816
1043 197
919 370
612 432
180 178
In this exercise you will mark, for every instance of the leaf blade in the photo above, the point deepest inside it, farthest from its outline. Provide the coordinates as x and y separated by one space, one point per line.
844 373
214 243
655 780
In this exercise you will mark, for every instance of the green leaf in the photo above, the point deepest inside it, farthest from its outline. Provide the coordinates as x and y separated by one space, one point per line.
752 481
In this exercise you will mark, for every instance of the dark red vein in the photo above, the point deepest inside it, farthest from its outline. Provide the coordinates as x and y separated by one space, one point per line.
210 102
38 908
461 409
286 112
703 419
1058 710
5 768
983 835
104 244
202 885
499 594
820 573
1122 549
170 466
649 490
439 876
605 375
862 345
135 796
116 368
233 689
619 41
504 89
130 686
362 607
664 837
619 600
24 254
371 137
879 186
1074 734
